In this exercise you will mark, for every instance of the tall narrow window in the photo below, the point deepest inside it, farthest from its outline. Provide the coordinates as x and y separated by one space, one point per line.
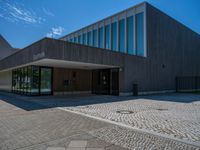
114 36
35 80
95 42
29 72
140 34
130 35
101 38
85 39
122 35
45 80
71 40
80 39
25 80
75 40
107 37
89 37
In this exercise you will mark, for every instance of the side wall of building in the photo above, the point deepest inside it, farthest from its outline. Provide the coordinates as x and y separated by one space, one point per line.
172 50
6 81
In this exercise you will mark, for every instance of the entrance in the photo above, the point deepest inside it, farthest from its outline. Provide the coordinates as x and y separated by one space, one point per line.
105 82
115 82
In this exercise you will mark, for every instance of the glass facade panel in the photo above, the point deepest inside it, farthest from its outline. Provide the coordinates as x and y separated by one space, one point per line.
80 39
130 36
107 37
35 80
18 80
25 80
71 40
29 76
85 39
95 42
14 79
32 80
75 40
125 35
114 36
140 34
89 37
45 80
122 36
101 43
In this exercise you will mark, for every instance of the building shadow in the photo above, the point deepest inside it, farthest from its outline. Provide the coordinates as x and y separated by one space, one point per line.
44 102
21 103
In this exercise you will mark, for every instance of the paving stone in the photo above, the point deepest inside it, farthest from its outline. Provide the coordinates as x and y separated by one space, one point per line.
133 140
95 148
56 148
114 147
97 143
75 148
176 115
36 124
77 144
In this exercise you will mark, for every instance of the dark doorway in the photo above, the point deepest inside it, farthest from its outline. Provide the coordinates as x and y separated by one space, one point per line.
101 81
115 81
105 81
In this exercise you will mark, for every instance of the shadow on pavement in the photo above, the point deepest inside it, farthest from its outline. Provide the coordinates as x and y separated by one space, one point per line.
20 103
44 102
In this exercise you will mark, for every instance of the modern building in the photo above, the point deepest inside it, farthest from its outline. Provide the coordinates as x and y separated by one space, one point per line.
139 46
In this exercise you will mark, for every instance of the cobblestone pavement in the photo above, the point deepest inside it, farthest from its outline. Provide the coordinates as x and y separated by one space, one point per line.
37 124
176 115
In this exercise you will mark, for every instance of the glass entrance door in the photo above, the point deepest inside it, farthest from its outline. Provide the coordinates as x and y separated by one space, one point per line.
45 81
101 81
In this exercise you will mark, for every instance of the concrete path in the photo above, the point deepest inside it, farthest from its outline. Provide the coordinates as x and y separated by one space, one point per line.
31 124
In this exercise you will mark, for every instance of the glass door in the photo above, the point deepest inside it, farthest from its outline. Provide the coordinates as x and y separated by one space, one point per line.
45 81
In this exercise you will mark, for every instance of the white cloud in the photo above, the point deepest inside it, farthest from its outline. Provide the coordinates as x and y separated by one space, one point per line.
55 31
48 12
13 12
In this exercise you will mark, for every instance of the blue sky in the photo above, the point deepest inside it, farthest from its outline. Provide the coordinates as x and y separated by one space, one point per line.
25 21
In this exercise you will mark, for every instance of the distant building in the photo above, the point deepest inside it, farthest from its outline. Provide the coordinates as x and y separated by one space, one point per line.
140 46
5 48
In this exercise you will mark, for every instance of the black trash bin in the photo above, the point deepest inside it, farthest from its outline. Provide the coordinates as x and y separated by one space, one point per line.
135 89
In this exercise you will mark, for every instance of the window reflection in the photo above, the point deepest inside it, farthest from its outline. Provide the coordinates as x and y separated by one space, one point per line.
32 80
80 39
107 37
125 35
45 84
122 35
114 36
85 39
89 36
101 43
95 42
130 35
140 34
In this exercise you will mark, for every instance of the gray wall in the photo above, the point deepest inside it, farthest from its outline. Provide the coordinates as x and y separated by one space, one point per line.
5 48
172 50
80 83
6 81
62 50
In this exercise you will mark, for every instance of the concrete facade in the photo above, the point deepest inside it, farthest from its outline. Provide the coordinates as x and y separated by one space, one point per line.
6 81
5 48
